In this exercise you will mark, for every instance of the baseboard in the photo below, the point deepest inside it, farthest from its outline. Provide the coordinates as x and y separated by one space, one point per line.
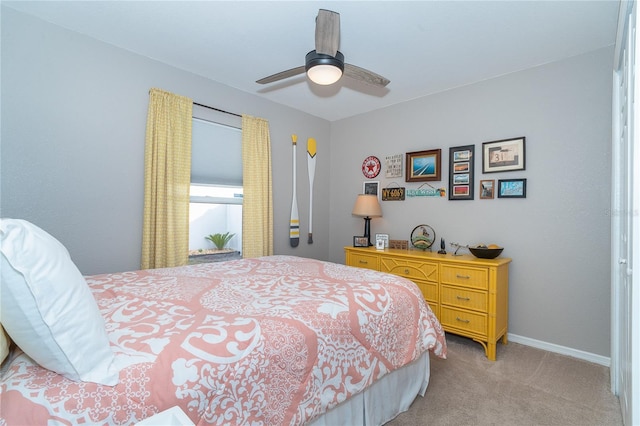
563 350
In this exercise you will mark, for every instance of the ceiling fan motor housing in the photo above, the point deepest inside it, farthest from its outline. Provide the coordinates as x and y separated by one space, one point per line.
313 58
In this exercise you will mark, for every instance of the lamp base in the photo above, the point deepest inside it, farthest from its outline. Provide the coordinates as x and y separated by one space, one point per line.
367 229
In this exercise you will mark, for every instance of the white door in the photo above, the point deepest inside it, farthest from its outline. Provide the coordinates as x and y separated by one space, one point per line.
625 306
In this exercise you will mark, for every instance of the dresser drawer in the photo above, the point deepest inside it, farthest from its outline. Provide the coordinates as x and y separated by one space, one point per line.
465 276
429 290
473 322
464 298
414 270
363 260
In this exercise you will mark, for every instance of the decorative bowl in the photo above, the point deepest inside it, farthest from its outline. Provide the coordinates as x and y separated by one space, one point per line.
486 253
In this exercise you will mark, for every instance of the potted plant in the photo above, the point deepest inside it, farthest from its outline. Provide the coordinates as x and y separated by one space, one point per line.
220 240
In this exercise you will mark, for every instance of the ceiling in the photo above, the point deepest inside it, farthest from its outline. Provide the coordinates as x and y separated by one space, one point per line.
423 47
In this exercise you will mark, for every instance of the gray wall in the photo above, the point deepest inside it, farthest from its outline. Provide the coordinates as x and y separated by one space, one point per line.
72 154
558 237
74 113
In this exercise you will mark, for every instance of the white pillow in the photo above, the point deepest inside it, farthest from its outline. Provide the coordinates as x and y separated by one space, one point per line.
4 345
47 307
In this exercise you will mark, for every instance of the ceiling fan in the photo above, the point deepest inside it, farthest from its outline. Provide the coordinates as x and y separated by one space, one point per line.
325 65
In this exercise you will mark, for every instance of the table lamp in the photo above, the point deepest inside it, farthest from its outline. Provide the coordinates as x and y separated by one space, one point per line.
367 206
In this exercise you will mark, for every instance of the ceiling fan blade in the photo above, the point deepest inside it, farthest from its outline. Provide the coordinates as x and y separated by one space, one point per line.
365 76
327 32
282 75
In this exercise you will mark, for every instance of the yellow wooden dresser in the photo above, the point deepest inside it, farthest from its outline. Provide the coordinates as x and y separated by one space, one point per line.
470 296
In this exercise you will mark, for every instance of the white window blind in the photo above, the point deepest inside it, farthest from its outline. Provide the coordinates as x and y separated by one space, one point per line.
216 154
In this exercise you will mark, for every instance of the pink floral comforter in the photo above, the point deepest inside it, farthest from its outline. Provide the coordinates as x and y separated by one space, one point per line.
274 340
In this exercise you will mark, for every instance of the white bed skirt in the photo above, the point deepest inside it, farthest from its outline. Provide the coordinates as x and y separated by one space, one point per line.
384 400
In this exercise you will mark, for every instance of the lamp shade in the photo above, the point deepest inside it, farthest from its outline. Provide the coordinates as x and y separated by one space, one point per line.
367 206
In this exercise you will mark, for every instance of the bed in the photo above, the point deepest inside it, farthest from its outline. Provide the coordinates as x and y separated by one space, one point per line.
273 340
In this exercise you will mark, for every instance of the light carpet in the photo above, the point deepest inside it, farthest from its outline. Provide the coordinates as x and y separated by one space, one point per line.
524 386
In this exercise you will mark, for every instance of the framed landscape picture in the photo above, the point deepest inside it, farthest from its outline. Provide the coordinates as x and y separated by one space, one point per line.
423 166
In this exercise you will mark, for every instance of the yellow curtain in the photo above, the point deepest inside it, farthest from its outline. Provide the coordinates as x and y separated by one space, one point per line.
257 206
167 177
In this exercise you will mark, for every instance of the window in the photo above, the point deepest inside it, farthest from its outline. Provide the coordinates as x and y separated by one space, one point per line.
216 184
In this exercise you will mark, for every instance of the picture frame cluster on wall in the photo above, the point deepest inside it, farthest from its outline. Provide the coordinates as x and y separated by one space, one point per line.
499 156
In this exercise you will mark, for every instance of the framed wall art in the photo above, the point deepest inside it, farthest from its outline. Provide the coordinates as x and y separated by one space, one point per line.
371 188
423 166
512 188
461 168
503 156
487 189
393 165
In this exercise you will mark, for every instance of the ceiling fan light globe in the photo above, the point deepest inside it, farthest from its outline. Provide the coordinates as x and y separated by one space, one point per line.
324 74
324 69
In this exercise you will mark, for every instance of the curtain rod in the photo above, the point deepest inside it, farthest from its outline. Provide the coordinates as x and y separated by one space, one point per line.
217 109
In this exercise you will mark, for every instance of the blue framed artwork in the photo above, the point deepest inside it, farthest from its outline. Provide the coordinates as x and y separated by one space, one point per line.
512 188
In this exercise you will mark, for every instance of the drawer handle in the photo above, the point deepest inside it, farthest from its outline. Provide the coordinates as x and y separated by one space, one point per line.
463 320
466 277
406 271
363 261
463 298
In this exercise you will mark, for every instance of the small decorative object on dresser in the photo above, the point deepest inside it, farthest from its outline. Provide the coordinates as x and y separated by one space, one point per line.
384 238
399 244
486 252
442 247
469 296
360 241
422 237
